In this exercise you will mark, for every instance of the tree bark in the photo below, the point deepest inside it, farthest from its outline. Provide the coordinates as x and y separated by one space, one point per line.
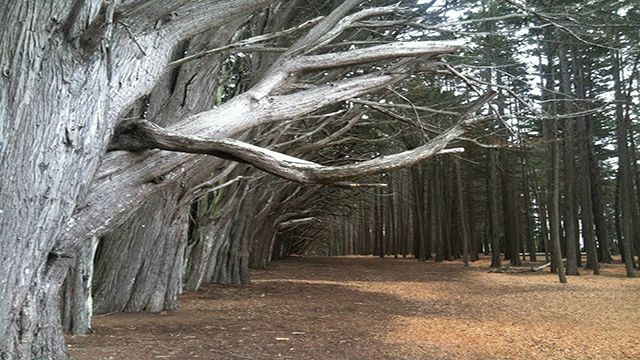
138 268
59 82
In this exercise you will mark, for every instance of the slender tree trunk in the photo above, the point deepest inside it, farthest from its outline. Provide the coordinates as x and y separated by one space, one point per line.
493 208
550 130
437 210
625 184
462 209
599 216
531 241
511 212
77 297
556 252
570 209
418 222
474 246
586 204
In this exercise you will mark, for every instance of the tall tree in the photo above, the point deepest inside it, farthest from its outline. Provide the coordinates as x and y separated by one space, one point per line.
71 73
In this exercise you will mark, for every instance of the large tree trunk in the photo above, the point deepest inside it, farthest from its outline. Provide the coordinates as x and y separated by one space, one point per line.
69 73
62 103
182 92
138 267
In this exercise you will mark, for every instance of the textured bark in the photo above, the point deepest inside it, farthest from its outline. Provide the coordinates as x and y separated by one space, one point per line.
61 99
77 298
139 268
184 91
69 73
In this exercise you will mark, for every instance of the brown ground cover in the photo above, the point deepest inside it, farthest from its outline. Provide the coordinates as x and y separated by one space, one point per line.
370 308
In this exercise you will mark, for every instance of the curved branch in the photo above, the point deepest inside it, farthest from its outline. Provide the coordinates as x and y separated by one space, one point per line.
142 134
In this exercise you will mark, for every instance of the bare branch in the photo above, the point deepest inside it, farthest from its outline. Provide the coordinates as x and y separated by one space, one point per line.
401 106
287 225
324 26
349 21
327 140
304 64
376 53
146 135
243 43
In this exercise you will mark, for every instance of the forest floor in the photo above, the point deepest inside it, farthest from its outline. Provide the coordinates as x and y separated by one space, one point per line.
370 308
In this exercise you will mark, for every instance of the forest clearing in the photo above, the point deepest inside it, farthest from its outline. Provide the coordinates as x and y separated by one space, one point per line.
372 308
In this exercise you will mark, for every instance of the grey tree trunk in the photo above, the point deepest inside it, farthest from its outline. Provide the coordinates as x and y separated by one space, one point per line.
45 169
183 92
511 213
70 73
59 85
550 130
77 298
139 268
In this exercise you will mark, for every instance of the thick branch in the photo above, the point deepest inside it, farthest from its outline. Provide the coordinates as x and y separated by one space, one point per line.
286 72
375 53
144 134
185 18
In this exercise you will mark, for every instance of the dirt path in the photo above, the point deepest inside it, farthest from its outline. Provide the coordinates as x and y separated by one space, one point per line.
368 308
